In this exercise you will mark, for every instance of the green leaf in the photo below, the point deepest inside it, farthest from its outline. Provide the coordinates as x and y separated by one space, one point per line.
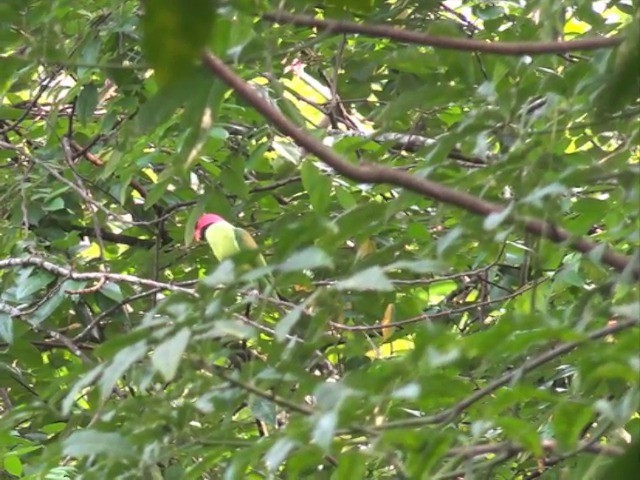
625 466
449 239
629 310
284 326
539 194
622 84
167 355
494 220
408 99
87 102
231 35
78 387
6 328
54 302
324 429
569 421
199 114
307 259
417 266
222 275
175 34
120 363
159 108
372 278
84 443
13 465
190 224
263 409
521 432
174 472
112 290
488 12
232 176
53 205
27 285
156 193
232 328
317 184
352 465
278 453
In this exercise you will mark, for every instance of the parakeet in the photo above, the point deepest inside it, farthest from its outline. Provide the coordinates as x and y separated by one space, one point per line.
225 239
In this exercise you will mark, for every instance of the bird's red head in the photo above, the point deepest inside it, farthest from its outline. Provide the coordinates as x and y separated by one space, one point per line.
204 221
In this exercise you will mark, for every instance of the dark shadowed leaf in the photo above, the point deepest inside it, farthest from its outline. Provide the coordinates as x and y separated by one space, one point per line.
174 35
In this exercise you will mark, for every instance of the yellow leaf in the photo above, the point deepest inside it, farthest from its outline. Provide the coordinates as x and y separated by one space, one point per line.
389 313
391 349
366 248
91 252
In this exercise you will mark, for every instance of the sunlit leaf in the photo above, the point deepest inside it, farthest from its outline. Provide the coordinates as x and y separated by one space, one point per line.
372 278
278 453
324 429
6 328
307 259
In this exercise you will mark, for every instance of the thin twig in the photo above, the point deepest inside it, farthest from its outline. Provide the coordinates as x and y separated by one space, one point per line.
548 446
278 400
69 273
432 316
529 365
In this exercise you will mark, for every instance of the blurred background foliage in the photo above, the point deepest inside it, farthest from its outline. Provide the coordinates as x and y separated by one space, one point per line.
411 339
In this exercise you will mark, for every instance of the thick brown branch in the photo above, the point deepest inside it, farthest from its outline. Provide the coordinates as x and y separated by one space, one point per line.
371 173
462 44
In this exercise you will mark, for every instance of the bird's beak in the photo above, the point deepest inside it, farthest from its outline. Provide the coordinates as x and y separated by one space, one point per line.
196 235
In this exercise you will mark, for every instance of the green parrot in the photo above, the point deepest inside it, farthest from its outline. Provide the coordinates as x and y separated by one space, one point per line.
227 240
224 239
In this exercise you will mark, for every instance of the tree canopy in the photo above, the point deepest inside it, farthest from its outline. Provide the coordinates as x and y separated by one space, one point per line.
447 196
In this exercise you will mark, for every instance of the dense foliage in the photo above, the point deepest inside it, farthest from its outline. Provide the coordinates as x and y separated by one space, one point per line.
450 220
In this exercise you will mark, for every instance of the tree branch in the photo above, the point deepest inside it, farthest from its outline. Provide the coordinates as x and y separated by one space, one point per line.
549 446
407 142
371 173
115 237
56 336
277 184
267 395
69 273
526 367
461 44
425 317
